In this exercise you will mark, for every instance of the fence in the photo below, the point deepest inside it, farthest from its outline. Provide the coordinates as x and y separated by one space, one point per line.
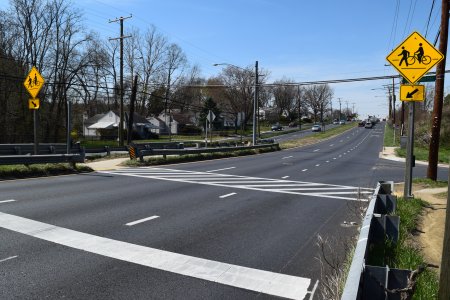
365 281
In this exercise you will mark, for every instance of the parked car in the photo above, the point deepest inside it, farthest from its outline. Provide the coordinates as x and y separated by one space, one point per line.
368 125
316 128
342 122
277 127
335 122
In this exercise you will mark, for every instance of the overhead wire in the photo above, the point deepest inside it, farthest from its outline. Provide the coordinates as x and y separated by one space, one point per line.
429 18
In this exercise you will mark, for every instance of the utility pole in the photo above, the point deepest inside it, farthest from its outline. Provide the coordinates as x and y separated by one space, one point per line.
438 98
255 103
299 108
353 108
347 109
339 99
121 37
331 103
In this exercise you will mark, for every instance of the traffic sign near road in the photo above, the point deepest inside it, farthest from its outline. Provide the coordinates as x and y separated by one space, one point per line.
34 82
414 57
412 92
33 103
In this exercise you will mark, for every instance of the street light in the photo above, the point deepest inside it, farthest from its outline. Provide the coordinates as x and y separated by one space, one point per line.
255 101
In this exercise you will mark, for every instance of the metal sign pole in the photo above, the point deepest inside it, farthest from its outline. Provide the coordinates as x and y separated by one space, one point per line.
35 132
407 193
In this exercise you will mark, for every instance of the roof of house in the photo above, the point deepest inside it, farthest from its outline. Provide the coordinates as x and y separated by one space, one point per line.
93 120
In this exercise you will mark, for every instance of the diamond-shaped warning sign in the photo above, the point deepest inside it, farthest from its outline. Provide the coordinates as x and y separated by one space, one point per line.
414 57
34 82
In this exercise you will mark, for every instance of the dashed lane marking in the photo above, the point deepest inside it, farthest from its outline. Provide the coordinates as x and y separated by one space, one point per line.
227 195
222 169
8 258
141 221
265 282
7 201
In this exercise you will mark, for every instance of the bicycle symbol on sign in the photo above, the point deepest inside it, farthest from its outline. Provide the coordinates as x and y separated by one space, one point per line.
418 56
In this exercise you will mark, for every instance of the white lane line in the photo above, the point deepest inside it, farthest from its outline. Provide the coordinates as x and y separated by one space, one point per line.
142 220
6 201
331 145
284 177
318 165
222 169
304 170
287 157
316 150
227 195
327 161
341 141
334 158
265 282
314 290
8 258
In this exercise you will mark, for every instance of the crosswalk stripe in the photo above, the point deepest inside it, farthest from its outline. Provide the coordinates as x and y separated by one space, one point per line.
311 189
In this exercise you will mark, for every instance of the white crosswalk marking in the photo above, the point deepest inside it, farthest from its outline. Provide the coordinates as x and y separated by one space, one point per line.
312 189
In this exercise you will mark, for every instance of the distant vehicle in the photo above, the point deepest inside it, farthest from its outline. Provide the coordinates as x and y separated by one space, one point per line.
336 122
342 122
277 127
316 128
368 125
362 124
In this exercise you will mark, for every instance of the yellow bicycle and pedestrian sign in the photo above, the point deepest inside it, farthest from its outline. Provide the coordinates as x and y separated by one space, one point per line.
414 57
34 82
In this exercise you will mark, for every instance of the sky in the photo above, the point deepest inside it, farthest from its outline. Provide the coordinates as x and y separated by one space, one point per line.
297 40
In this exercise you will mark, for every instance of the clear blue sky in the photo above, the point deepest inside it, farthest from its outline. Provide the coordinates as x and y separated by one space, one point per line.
296 39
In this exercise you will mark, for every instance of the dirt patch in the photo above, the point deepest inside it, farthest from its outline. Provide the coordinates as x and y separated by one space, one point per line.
430 235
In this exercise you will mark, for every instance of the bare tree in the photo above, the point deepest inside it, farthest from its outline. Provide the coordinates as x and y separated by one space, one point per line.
317 98
284 96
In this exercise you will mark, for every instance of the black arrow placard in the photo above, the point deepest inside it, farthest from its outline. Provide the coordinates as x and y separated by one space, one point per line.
412 92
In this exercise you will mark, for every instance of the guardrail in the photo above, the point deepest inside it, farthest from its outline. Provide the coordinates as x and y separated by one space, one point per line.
44 148
136 152
41 159
365 281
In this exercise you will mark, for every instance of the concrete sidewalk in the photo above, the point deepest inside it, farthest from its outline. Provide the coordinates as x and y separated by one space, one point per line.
107 164
389 154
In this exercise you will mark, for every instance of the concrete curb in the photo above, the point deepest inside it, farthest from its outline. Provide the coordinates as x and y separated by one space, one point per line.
388 153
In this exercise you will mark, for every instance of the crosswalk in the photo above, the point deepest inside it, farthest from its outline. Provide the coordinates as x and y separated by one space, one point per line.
311 189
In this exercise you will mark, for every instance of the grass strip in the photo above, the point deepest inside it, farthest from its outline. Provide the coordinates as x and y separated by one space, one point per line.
422 154
320 136
40 170
406 254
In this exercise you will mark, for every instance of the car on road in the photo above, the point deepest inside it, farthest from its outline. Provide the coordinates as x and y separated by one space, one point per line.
316 128
368 125
342 122
362 124
277 127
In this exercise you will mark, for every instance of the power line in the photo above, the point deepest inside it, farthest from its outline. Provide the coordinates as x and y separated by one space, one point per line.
429 17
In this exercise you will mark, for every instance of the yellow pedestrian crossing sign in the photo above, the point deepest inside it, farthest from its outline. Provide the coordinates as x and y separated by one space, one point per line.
34 82
414 57
412 92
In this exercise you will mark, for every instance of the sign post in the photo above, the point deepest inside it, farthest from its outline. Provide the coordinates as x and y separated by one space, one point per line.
413 58
33 84
211 117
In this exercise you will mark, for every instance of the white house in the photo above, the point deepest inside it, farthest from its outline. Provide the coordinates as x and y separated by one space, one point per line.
107 120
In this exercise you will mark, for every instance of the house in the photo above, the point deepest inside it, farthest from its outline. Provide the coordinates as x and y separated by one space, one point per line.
141 126
93 126
176 120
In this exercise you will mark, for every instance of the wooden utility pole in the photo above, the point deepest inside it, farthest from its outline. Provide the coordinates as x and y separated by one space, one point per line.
131 116
444 282
438 96
121 37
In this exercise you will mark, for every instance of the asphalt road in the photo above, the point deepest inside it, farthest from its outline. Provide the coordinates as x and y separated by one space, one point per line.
239 228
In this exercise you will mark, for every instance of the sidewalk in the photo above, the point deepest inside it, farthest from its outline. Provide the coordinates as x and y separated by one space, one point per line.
389 154
107 164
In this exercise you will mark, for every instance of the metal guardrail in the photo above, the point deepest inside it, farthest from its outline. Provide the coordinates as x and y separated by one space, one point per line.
44 148
164 152
365 281
41 159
